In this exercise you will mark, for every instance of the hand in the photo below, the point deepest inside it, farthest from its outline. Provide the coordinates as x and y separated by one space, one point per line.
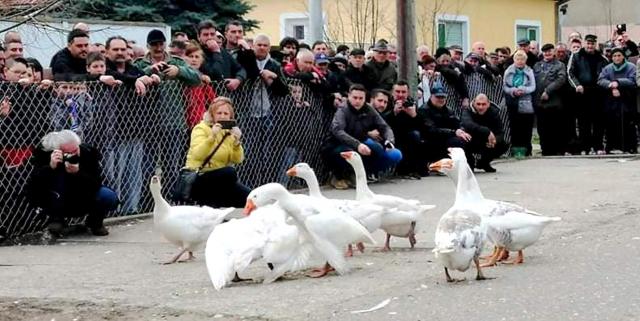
491 140
237 133
232 83
215 129
613 84
56 158
141 89
243 43
205 79
518 92
615 92
580 89
108 80
544 96
397 107
154 79
24 81
71 168
171 71
364 150
465 103
375 134
5 107
411 111
463 135
268 74
157 68
46 84
212 44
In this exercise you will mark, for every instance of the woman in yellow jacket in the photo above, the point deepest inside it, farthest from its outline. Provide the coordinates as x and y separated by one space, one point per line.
217 185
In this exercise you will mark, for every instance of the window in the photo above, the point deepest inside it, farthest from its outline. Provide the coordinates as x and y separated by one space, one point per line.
298 32
453 30
528 29
450 33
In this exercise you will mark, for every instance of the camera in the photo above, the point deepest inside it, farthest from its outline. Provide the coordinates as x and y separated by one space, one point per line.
409 102
227 124
71 158
164 67
621 28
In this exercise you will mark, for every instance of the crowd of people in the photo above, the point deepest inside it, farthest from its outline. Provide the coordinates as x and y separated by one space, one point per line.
373 112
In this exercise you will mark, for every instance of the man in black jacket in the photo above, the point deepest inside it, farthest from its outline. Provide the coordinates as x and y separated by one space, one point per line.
584 69
442 129
66 182
407 124
69 64
359 127
357 72
219 64
482 122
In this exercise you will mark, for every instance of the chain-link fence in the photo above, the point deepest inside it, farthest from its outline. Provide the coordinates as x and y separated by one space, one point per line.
138 136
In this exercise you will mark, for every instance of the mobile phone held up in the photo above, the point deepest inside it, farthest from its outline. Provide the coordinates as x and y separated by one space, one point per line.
621 28
227 124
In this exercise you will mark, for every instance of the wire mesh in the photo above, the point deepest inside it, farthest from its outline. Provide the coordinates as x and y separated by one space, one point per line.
138 136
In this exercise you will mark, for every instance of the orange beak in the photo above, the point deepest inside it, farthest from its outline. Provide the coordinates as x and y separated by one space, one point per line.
438 166
292 172
249 207
346 155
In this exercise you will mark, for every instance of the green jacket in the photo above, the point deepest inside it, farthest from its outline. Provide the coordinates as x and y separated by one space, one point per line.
186 74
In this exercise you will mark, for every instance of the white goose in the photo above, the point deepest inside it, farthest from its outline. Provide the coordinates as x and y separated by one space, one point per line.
367 214
400 216
510 227
184 226
232 246
317 220
460 232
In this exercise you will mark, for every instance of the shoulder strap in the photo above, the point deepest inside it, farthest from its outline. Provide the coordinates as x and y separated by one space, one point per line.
206 160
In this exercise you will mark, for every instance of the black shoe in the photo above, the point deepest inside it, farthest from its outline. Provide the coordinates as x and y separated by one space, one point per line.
56 228
99 231
487 168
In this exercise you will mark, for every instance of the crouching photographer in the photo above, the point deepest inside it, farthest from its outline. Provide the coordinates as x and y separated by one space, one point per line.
214 150
66 182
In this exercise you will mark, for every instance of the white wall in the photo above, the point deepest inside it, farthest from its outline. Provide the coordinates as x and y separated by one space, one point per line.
42 42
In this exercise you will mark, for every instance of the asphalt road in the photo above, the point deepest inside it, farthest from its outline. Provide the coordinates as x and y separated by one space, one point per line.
583 268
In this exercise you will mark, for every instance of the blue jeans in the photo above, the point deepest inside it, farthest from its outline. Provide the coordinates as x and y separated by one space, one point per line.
129 177
61 205
380 159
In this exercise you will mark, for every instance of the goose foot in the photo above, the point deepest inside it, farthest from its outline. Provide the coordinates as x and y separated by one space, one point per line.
175 258
236 278
504 256
412 235
479 276
488 257
318 273
493 259
349 252
189 258
518 260
450 279
386 247
360 247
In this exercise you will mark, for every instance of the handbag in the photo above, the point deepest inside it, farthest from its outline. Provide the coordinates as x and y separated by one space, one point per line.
525 105
181 191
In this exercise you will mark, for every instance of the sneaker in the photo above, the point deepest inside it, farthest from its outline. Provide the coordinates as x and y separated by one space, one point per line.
99 231
487 168
372 178
340 184
601 152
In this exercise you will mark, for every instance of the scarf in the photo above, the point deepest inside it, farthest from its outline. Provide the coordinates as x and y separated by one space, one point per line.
519 78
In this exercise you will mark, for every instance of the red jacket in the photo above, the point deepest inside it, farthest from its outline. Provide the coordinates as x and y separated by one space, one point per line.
198 100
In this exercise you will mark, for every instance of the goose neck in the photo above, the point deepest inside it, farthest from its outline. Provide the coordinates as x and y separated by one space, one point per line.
467 185
362 189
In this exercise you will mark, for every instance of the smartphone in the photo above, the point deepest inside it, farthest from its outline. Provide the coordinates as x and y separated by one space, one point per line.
227 124
621 28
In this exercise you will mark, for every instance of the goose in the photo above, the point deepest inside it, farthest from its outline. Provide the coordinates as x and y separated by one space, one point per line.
233 246
367 214
184 226
318 221
510 227
400 215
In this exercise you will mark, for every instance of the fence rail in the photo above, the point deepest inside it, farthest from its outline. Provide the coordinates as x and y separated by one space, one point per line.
141 135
